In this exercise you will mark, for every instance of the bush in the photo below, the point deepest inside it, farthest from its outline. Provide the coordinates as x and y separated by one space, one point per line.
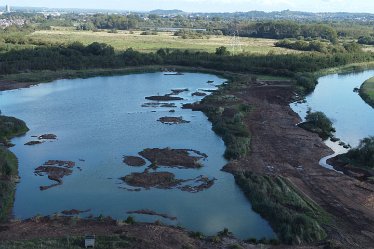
293 218
363 155
319 123
222 51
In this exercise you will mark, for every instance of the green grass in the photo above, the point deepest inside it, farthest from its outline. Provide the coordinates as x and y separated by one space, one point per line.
227 113
294 218
102 242
11 127
8 163
151 43
367 91
7 191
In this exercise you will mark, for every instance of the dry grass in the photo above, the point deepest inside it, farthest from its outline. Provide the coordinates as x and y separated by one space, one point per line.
151 43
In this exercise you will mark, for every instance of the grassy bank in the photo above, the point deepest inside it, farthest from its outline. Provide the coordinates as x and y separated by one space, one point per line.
226 113
367 91
9 127
349 68
295 219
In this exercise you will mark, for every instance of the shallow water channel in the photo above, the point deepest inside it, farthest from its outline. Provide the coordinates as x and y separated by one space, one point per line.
352 118
99 120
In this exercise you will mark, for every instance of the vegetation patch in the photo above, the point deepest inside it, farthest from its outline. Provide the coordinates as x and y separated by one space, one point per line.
319 123
367 91
11 127
226 113
294 219
7 192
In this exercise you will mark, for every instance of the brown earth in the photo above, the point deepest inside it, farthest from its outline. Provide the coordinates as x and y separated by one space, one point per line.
163 98
47 137
152 213
140 235
279 147
33 142
74 212
167 180
10 85
159 104
199 94
163 180
362 174
55 170
174 157
134 161
173 120
178 91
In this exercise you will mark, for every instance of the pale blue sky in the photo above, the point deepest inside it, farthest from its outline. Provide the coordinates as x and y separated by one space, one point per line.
207 5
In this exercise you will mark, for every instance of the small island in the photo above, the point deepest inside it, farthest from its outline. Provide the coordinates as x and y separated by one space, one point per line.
367 91
318 122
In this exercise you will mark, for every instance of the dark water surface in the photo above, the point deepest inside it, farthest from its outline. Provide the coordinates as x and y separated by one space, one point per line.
100 120
353 118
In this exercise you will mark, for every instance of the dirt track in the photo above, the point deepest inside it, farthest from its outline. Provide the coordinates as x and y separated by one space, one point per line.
279 147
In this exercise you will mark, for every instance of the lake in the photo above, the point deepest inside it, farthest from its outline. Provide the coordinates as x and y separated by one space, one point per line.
99 120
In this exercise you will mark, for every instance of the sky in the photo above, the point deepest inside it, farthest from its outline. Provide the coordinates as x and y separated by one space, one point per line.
366 6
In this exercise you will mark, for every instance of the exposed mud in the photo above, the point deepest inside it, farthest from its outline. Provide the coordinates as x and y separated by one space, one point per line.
152 213
167 180
200 94
47 137
163 98
134 161
33 142
172 120
159 104
55 170
181 158
178 91
74 212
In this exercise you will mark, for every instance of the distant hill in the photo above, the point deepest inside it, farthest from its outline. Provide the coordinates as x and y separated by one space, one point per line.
167 12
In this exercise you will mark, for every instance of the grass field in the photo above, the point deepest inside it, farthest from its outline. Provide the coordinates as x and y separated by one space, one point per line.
367 91
151 43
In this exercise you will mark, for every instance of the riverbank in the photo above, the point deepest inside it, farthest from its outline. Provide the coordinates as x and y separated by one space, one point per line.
9 128
367 91
284 155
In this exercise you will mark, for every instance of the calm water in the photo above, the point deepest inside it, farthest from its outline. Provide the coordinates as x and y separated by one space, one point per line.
100 120
352 117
